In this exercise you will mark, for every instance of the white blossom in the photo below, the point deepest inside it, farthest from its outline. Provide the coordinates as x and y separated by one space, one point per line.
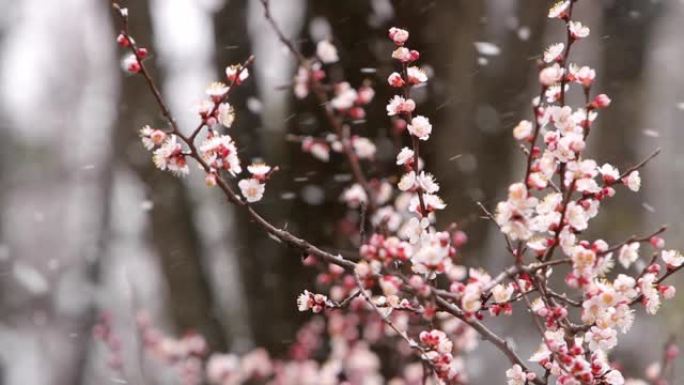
633 181
629 253
327 52
404 156
170 157
252 189
420 127
672 258
516 375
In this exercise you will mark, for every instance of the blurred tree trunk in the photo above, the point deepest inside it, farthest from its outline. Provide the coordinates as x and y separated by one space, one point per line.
627 26
51 200
173 232
268 271
641 46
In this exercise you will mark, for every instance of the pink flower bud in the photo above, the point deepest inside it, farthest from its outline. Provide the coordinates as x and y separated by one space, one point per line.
123 41
459 238
668 291
653 268
402 54
657 242
398 35
414 55
395 80
310 260
551 75
357 113
601 101
133 67
672 352
142 52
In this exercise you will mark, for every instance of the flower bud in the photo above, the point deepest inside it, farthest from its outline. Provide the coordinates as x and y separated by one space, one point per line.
398 35
142 52
395 80
657 242
123 41
601 101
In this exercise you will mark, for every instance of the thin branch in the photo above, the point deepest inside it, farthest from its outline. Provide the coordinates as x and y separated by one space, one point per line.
635 238
486 334
123 15
384 316
640 164
489 215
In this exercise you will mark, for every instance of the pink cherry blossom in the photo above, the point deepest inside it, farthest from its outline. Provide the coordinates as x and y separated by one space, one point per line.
420 127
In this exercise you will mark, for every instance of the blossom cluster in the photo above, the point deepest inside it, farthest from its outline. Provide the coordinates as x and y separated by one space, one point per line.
345 107
407 286
217 152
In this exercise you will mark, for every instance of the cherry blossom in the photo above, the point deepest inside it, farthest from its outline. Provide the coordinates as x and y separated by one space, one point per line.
130 64
416 75
404 285
252 189
551 75
364 147
633 181
226 116
327 52
398 105
420 127
399 36
577 30
601 101
259 170
405 156
554 52
220 153
310 301
236 74
559 10
354 196
672 258
583 75
395 80
151 137
516 376
523 130
169 156
216 91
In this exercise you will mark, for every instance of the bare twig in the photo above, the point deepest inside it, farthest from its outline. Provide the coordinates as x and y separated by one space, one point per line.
634 238
640 164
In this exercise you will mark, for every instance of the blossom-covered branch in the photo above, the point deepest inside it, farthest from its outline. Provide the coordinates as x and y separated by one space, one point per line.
407 286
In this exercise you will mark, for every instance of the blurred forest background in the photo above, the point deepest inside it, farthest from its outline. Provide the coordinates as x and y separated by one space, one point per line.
87 223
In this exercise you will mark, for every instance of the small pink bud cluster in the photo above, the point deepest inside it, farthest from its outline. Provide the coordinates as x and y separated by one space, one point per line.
132 63
439 353
386 250
310 301
184 355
